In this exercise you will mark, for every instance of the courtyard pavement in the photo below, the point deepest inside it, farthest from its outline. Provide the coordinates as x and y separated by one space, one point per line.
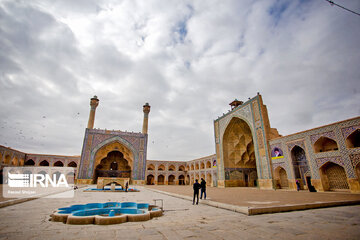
181 220
254 197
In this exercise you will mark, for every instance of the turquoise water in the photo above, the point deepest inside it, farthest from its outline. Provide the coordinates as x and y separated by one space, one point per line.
92 209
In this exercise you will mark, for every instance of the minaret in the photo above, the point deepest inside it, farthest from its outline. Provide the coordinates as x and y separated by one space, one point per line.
146 110
94 102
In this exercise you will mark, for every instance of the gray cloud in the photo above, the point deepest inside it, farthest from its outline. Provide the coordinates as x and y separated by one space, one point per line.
187 59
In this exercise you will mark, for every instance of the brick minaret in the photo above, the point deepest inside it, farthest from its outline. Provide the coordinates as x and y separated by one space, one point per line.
146 110
94 102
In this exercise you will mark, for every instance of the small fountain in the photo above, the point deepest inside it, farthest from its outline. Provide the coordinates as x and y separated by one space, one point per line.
106 213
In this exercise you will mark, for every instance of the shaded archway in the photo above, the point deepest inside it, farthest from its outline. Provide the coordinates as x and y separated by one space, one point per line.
72 164
333 177
202 165
150 179
14 162
208 164
58 164
208 179
113 165
44 163
325 144
151 167
192 179
161 180
281 179
171 168
125 156
353 140
29 162
161 168
196 166
181 168
7 159
171 180
238 154
181 180
192 167
300 165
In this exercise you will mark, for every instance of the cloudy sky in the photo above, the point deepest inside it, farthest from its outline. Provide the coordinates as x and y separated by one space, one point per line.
188 59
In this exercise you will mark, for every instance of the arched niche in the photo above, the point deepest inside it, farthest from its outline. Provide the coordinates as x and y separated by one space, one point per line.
238 154
325 144
151 167
333 177
353 140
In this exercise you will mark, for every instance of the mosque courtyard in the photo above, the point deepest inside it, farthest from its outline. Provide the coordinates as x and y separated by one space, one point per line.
182 220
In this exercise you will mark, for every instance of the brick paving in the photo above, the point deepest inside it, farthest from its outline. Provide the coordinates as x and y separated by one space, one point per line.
181 220
253 197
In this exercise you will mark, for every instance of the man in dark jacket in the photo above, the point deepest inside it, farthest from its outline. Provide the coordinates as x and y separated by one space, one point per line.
203 188
196 188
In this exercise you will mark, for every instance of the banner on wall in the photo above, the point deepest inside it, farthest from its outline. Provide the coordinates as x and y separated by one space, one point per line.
277 153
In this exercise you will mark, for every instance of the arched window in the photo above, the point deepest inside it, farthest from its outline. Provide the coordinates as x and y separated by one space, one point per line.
72 164
150 179
197 166
7 159
325 144
171 168
161 180
151 167
29 162
181 180
181 168
44 163
161 168
171 180
58 164
353 140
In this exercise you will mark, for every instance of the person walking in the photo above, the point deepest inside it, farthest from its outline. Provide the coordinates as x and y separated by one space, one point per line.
196 188
126 186
203 188
297 185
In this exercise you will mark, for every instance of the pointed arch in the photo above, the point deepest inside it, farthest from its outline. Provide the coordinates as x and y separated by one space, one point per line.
151 167
353 140
29 162
325 144
161 167
238 145
161 180
58 164
132 153
333 177
44 163
281 178
171 180
150 179
72 164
